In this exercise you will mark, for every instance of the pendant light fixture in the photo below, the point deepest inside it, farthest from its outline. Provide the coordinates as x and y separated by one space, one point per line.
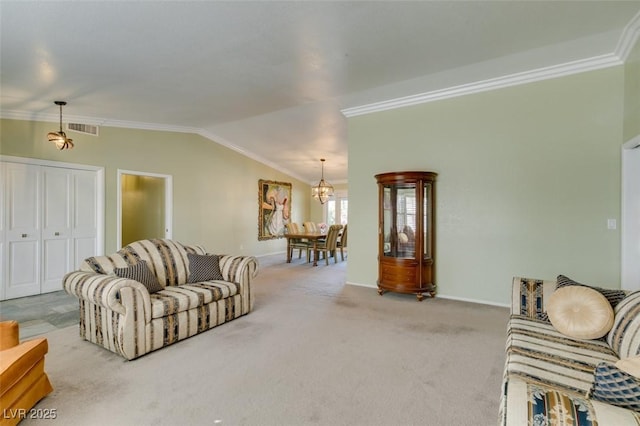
323 190
60 138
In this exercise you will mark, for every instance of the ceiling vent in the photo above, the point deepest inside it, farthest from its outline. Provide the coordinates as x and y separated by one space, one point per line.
87 129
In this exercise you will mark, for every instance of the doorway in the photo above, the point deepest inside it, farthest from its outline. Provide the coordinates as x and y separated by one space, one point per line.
144 206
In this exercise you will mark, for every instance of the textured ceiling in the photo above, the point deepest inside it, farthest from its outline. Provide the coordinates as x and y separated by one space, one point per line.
270 78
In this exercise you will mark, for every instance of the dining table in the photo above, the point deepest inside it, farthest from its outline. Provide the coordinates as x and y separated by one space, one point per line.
313 237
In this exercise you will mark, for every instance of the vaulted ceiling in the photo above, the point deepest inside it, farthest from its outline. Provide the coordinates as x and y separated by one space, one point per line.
271 79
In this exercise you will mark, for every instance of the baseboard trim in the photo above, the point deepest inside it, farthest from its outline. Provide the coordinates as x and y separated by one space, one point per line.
361 285
258 256
480 302
444 296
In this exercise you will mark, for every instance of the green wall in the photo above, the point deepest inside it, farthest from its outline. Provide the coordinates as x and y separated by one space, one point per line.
528 176
632 94
215 189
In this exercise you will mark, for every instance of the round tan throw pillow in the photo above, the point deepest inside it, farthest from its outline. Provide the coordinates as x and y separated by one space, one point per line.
580 312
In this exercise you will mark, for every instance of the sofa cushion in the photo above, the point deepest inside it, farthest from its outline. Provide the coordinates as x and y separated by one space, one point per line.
174 299
166 258
539 353
140 272
204 267
624 337
580 312
617 387
613 296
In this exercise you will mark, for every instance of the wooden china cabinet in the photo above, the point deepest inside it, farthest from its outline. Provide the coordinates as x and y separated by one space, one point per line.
406 233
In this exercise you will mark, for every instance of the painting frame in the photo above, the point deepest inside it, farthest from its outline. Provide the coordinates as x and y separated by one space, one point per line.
274 208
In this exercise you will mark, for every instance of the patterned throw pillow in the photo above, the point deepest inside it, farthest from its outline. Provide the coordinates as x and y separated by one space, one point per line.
623 337
530 294
615 387
204 267
140 272
613 296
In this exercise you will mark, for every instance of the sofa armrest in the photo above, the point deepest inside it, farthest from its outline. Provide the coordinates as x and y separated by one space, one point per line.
238 269
529 297
9 334
108 291
17 361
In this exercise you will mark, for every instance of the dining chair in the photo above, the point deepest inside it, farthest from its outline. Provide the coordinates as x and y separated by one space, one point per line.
310 227
342 242
329 245
298 243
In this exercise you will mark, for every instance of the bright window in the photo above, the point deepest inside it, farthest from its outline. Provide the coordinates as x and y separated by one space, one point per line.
337 210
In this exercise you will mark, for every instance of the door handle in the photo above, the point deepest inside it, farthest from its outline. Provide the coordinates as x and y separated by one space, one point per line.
24 235
57 234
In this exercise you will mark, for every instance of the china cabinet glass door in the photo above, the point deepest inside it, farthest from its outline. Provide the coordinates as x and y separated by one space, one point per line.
406 233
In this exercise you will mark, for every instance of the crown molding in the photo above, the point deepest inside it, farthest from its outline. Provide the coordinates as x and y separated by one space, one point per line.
224 142
34 116
531 76
626 42
55 118
628 39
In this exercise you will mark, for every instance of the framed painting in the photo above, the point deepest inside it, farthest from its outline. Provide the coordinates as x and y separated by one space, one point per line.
274 208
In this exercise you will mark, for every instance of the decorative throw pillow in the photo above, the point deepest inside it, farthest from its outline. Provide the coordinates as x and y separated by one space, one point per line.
623 337
615 387
613 296
204 267
580 312
630 366
140 272
528 296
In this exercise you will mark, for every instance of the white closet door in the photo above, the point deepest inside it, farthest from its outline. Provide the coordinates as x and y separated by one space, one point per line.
85 215
56 227
22 250
51 219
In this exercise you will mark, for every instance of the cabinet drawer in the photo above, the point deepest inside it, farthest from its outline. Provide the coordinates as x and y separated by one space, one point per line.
398 274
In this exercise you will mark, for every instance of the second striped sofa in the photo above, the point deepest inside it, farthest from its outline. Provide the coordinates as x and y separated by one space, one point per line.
549 377
121 315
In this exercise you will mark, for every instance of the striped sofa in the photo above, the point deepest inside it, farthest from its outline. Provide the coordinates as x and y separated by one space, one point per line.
122 316
549 377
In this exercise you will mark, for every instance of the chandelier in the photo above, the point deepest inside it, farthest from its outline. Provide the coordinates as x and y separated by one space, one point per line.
60 138
323 190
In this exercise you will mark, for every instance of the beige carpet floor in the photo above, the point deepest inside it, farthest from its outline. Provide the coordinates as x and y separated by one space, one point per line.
313 352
